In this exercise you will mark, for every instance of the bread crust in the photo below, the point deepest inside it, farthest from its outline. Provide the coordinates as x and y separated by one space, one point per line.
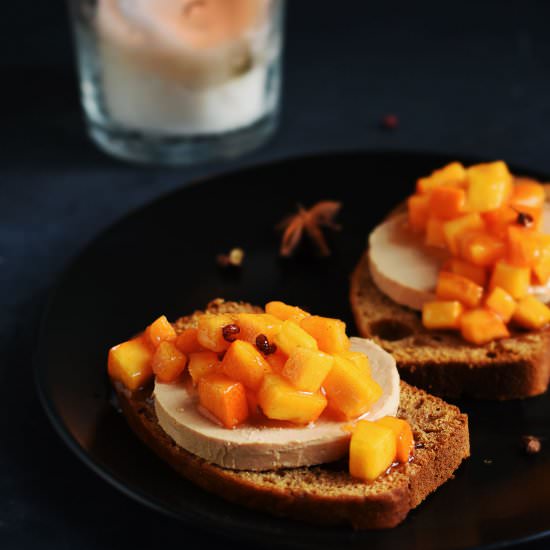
442 362
326 494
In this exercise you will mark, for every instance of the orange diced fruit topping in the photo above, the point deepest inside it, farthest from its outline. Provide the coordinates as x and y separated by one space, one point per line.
403 434
527 194
360 359
224 398
244 363
451 174
372 450
168 362
497 221
292 336
202 363
475 273
481 248
251 325
160 331
447 202
187 341
480 326
489 186
130 362
514 280
306 369
284 312
523 246
451 287
210 331
419 211
531 313
277 361
541 268
330 334
501 303
279 400
349 391
434 233
453 229
441 315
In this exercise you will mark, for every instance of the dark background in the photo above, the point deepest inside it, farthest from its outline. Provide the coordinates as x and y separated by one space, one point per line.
467 78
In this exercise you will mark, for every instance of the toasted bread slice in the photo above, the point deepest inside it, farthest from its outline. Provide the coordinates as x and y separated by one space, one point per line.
442 362
324 494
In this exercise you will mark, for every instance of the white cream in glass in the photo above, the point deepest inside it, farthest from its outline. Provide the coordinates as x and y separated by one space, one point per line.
179 81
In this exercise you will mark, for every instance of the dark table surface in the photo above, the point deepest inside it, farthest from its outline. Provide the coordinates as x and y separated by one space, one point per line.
468 78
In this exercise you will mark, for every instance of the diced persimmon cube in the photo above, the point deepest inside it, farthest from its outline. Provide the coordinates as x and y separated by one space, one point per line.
160 331
527 193
451 174
350 393
442 315
489 186
434 233
202 363
187 341
541 268
277 361
244 363
284 312
531 313
372 450
513 279
480 248
130 362
419 211
224 398
292 336
453 229
497 221
279 400
168 362
330 334
447 202
404 436
451 286
306 369
210 331
523 246
480 326
501 303
360 359
475 273
251 325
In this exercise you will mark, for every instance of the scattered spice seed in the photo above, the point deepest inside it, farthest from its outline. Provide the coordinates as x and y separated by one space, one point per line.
263 345
488 461
390 122
233 259
419 445
230 332
531 444
524 219
309 221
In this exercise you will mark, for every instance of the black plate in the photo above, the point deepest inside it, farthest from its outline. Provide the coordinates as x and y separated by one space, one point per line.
161 259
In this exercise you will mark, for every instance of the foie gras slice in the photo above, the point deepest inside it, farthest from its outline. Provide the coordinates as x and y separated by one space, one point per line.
270 446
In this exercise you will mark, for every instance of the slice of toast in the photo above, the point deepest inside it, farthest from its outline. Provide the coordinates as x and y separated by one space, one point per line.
324 494
442 362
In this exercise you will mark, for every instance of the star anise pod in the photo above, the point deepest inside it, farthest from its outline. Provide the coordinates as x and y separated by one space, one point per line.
309 222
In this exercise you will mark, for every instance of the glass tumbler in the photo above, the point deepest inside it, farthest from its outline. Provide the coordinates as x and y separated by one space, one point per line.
179 81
